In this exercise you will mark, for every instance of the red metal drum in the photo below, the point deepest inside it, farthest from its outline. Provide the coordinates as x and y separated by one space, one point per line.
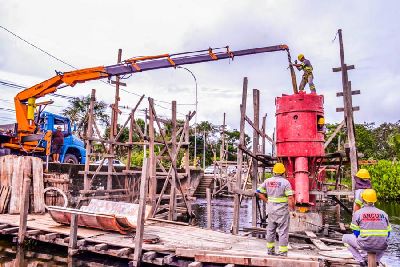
298 139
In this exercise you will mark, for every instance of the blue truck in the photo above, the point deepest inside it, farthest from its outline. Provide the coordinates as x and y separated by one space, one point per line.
73 150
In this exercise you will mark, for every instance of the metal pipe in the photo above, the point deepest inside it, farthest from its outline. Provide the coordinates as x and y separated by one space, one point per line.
301 180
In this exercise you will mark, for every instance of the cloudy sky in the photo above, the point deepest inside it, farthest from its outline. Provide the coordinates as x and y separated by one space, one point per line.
89 33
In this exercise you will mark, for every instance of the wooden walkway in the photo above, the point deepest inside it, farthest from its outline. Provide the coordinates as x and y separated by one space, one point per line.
179 245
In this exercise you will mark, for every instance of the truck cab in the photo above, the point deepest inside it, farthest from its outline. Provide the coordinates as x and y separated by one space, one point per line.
73 150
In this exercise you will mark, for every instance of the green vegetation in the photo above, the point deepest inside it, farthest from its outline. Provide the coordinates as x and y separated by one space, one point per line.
385 179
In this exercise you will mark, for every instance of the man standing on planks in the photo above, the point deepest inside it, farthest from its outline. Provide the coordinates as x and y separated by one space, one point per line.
57 142
371 230
278 194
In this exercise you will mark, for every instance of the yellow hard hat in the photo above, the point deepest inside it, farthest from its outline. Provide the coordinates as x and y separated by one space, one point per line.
369 195
279 168
321 120
363 174
300 56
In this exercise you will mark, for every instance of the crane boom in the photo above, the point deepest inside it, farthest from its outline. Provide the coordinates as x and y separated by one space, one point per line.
25 100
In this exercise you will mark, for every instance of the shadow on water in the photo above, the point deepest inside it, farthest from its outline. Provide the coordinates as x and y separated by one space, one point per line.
42 255
222 217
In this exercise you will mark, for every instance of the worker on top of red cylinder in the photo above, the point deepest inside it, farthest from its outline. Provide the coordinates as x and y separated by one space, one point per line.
308 76
278 194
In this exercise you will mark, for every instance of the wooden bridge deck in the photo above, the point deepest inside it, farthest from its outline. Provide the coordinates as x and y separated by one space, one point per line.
175 242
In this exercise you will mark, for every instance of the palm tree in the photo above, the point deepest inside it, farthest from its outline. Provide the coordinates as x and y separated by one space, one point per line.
78 113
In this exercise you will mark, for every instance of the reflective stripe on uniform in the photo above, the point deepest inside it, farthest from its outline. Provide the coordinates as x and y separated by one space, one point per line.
278 199
354 227
359 202
270 244
261 190
389 228
289 192
373 232
283 249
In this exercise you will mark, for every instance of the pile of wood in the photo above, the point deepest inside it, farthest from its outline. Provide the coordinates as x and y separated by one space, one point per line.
13 171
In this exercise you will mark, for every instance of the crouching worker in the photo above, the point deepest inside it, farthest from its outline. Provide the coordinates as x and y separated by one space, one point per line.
371 230
278 194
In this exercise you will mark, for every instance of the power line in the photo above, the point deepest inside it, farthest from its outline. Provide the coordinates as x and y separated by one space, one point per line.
66 63
35 46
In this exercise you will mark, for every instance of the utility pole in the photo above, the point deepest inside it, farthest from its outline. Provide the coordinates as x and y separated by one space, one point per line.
204 150
348 109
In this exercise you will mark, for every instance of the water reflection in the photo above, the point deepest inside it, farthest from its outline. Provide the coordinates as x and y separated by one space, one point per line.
40 255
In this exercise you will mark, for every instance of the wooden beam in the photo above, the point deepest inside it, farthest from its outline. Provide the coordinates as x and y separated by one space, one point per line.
23 217
338 128
348 67
356 108
141 213
172 200
120 83
353 92
256 140
73 235
254 260
236 205
209 217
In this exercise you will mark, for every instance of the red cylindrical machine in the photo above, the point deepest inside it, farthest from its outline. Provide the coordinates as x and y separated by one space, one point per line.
299 141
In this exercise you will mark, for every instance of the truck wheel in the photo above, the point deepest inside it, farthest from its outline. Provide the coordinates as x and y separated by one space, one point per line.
70 158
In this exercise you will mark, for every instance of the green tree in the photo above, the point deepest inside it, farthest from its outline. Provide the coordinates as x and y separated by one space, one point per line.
78 113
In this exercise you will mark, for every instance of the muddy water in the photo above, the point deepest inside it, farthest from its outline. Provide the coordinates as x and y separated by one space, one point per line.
222 216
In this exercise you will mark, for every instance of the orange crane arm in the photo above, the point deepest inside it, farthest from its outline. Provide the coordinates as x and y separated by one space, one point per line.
25 100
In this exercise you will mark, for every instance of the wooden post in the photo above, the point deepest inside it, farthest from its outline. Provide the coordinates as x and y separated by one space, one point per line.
141 212
348 111
256 122
113 127
222 148
209 217
236 206
152 156
371 259
24 209
86 181
19 258
73 235
172 200
187 151
264 131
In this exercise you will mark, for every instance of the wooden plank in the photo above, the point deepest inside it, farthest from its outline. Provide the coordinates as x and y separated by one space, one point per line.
342 227
149 256
4 198
326 229
50 236
123 252
38 185
310 234
9 230
16 185
141 213
195 264
102 246
255 261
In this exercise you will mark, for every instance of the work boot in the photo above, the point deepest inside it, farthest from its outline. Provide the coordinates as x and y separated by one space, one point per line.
271 251
364 263
282 254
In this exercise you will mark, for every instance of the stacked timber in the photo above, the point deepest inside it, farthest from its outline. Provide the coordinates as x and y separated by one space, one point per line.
13 171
